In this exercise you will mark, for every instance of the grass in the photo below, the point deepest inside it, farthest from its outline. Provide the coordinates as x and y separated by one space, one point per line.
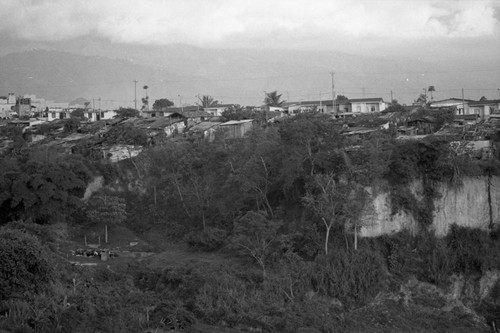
392 316
423 313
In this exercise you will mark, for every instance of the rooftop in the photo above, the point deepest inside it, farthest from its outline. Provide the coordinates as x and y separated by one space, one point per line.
236 122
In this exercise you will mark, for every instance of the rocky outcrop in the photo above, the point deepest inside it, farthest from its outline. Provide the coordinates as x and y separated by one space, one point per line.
475 204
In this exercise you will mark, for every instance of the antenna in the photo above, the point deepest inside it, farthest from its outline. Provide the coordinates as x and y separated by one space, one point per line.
333 91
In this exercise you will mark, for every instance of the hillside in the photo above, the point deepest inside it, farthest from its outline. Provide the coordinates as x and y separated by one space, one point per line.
256 234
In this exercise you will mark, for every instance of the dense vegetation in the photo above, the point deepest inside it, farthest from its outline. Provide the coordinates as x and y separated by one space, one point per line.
281 207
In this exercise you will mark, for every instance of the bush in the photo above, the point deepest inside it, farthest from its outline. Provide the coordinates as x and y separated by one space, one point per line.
472 250
24 267
353 277
210 239
424 256
42 232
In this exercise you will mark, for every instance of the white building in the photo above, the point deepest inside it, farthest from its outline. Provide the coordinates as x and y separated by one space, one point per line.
6 104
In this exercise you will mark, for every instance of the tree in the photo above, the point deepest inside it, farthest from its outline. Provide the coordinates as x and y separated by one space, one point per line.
126 113
237 112
483 99
431 89
145 100
207 101
24 267
44 190
421 100
342 98
162 103
311 140
78 114
255 234
71 125
273 99
106 209
126 134
260 169
334 201
394 107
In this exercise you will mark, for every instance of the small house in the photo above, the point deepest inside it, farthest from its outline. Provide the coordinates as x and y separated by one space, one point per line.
424 125
236 129
205 130
217 110
484 108
367 105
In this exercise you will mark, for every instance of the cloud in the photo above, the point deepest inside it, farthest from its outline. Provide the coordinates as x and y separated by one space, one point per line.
245 22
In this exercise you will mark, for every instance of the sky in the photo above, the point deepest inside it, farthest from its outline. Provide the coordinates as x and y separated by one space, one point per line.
456 34
254 23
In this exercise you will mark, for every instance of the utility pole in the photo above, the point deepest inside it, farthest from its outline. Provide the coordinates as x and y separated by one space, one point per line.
320 103
333 92
463 101
135 93
391 96
180 103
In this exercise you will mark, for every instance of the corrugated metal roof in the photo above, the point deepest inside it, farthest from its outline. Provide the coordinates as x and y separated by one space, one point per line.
236 122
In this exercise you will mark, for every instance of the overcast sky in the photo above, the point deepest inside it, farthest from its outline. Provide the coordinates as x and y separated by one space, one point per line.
459 35
255 23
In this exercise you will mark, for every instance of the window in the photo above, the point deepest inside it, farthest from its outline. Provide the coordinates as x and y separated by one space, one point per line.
373 108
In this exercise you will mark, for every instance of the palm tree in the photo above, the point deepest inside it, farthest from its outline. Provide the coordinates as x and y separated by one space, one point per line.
431 89
145 100
207 101
273 99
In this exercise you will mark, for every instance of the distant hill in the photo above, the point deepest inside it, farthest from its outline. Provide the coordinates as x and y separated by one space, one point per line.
93 68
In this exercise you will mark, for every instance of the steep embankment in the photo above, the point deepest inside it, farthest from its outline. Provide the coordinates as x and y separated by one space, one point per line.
475 204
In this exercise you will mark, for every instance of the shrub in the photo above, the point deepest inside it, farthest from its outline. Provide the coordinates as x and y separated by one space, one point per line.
40 231
210 239
472 250
424 256
24 267
353 277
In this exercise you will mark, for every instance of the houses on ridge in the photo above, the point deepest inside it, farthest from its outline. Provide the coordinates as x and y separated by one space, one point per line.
358 119
342 106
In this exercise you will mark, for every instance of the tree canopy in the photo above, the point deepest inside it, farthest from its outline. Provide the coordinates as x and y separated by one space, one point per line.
207 101
126 112
273 99
24 265
162 103
106 209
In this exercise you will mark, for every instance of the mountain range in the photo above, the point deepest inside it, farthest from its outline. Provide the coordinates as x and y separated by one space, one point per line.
96 68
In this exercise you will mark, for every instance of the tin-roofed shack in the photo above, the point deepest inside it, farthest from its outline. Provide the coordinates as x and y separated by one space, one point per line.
424 125
236 129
